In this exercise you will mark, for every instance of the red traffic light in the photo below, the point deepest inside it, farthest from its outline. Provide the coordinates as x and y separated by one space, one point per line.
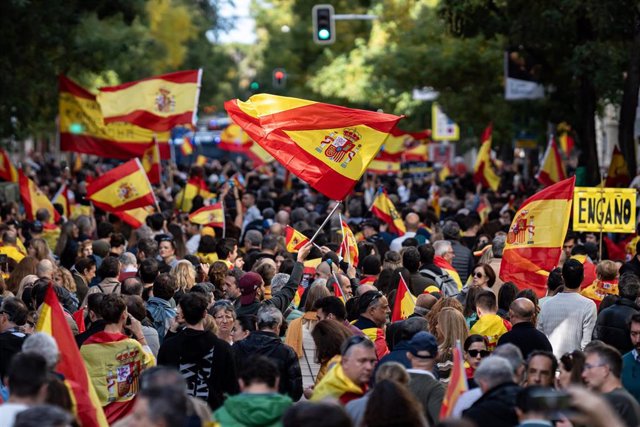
279 75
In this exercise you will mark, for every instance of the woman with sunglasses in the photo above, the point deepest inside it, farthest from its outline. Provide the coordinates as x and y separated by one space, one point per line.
483 276
475 349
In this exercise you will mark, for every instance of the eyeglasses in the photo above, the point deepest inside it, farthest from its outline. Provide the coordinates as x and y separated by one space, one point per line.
481 353
478 275
374 298
223 303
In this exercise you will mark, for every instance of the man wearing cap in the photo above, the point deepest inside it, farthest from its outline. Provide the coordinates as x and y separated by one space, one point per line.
252 287
422 351
374 310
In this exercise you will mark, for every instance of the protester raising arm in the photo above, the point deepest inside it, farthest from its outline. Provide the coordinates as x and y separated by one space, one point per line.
284 296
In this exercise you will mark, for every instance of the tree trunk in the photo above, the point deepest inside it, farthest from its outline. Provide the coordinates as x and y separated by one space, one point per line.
587 130
629 105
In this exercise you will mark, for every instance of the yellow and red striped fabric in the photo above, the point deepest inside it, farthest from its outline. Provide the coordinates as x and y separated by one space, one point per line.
297 297
457 384
566 140
212 216
483 173
34 199
535 237
158 103
62 197
337 291
234 139
196 186
552 168
384 209
187 146
8 171
122 188
384 167
405 302
83 131
136 218
151 163
52 322
448 268
618 175
294 239
328 146
349 245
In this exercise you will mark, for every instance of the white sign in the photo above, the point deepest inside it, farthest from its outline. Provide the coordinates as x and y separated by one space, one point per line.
442 127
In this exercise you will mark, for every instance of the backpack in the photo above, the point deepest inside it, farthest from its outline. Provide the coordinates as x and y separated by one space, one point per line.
447 285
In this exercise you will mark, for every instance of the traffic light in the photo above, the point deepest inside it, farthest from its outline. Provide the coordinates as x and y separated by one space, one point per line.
254 86
323 24
279 78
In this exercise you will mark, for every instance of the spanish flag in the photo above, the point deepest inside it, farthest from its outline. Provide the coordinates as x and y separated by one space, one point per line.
483 173
535 237
384 167
187 147
419 153
234 139
448 268
8 171
294 239
212 216
405 302
618 175
136 218
62 197
82 130
151 163
337 290
201 160
552 168
349 246
86 404
122 188
396 144
159 103
566 140
258 155
327 146
457 383
297 297
195 187
383 208
33 199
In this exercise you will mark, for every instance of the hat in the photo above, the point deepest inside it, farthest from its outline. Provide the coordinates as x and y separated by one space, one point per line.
37 227
248 284
423 341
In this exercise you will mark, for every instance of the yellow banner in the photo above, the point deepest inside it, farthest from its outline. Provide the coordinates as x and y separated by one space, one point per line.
604 209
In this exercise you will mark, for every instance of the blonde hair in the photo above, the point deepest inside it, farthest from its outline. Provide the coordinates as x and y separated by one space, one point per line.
392 371
184 274
607 270
66 281
453 327
441 304
315 293
41 249
210 324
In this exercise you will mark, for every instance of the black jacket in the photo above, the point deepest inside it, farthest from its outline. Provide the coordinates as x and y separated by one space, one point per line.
10 344
280 299
527 338
97 326
496 408
205 362
611 326
632 266
268 344
462 261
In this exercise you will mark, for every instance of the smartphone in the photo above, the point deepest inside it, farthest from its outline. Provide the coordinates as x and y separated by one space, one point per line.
555 403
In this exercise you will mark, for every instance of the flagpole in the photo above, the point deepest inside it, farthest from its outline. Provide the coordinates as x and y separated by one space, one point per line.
337 281
224 220
325 221
407 288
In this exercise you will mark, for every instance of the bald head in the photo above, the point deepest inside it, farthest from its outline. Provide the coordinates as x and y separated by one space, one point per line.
412 221
521 310
276 229
362 289
44 269
282 217
426 301
323 270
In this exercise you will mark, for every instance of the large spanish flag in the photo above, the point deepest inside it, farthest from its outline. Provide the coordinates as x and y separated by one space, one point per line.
457 383
483 172
159 103
383 208
552 169
618 175
83 131
212 216
34 199
294 239
405 302
122 188
151 163
535 237
8 171
328 146
86 404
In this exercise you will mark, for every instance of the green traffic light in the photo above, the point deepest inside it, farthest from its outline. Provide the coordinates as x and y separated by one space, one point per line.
254 86
324 34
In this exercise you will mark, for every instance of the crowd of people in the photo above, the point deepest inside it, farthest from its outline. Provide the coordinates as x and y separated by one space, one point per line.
180 324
